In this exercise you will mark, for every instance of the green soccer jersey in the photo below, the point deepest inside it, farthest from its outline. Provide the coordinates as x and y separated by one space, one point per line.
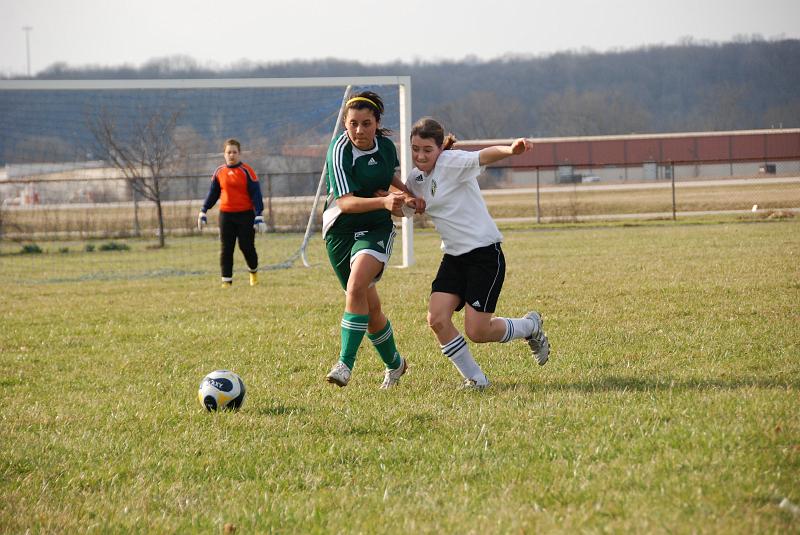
362 173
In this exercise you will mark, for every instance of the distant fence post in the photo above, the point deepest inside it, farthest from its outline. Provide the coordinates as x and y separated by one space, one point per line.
538 203
270 213
137 229
672 175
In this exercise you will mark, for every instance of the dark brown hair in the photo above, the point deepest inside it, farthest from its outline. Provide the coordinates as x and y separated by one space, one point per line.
234 142
367 100
430 128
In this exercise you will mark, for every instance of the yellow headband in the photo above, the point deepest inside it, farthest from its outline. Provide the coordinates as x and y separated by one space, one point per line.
365 99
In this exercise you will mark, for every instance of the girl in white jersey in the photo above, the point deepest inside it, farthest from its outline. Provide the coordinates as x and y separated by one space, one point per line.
472 270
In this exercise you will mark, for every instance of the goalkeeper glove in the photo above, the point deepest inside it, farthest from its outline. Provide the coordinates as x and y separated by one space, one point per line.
201 220
259 225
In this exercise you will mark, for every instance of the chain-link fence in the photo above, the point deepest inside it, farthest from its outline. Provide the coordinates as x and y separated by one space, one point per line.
592 198
108 208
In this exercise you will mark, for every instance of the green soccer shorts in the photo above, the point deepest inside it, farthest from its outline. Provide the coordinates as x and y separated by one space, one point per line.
344 248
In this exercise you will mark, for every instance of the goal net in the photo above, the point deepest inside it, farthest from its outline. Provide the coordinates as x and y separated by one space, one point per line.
63 190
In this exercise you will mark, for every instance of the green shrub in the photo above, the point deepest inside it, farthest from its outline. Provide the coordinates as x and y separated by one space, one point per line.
89 247
114 246
31 249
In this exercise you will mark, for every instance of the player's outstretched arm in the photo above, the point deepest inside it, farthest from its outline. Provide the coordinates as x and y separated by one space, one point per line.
350 204
498 152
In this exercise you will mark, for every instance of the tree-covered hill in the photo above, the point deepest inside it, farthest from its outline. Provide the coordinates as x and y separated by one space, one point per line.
686 87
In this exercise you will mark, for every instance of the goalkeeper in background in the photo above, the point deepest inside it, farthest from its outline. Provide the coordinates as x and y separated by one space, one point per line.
236 185
473 268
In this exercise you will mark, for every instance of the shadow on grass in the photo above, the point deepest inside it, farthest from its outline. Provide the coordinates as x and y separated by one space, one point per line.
662 384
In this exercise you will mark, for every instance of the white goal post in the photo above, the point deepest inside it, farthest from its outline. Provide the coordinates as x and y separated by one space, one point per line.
403 83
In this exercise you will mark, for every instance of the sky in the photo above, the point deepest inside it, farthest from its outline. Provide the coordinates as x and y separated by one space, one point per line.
221 34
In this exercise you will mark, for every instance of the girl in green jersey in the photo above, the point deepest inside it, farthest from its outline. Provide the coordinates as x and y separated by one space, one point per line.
362 166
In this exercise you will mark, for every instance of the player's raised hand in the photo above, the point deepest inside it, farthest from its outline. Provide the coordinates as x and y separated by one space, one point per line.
202 221
259 225
518 146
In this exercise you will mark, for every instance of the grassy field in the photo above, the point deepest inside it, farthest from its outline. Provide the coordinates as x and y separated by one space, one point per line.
669 405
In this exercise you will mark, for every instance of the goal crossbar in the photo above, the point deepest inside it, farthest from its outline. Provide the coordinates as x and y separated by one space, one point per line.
203 83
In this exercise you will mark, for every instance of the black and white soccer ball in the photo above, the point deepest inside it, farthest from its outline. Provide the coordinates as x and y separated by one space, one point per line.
221 390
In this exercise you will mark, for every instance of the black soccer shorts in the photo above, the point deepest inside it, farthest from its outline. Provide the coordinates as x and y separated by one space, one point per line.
476 277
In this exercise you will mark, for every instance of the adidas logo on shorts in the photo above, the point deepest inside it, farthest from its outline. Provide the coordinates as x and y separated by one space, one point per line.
476 304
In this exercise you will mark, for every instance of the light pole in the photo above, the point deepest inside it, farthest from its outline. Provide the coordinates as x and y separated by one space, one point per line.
27 30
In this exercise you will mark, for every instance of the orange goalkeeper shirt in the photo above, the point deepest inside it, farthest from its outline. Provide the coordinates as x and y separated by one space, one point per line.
238 185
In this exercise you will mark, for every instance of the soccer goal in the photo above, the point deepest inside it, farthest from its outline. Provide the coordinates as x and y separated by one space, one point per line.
63 188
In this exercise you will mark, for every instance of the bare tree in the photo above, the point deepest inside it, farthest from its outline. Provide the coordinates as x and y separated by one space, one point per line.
783 116
482 115
721 107
591 113
143 153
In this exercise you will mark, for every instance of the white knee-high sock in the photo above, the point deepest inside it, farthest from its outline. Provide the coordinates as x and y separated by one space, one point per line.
517 328
459 354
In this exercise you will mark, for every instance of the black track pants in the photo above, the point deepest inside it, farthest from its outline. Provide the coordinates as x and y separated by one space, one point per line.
233 226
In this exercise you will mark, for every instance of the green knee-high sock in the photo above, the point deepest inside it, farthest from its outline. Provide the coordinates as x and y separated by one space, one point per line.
383 341
353 328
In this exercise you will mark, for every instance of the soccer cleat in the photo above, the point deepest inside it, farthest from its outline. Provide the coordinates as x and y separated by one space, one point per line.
392 377
537 341
339 374
226 284
253 278
475 384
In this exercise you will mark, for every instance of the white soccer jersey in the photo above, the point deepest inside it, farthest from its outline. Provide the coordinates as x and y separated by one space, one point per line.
454 202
